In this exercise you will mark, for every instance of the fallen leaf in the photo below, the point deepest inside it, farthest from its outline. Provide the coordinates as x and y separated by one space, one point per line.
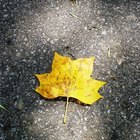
70 78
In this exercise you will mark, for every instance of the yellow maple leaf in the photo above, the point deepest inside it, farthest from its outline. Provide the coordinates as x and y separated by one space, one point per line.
70 78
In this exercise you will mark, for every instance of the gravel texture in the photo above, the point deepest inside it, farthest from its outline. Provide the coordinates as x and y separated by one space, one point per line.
30 32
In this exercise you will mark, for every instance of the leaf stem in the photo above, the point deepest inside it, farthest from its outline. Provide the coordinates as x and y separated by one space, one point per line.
66 110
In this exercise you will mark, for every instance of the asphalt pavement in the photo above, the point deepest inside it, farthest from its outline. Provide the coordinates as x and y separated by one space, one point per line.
32 30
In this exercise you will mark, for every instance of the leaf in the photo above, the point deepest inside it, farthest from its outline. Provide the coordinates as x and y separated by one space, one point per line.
70 78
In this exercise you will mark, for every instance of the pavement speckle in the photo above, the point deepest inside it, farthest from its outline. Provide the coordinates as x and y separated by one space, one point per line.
30 32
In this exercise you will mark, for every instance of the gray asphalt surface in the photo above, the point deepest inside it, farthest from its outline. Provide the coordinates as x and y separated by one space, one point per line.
30 32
